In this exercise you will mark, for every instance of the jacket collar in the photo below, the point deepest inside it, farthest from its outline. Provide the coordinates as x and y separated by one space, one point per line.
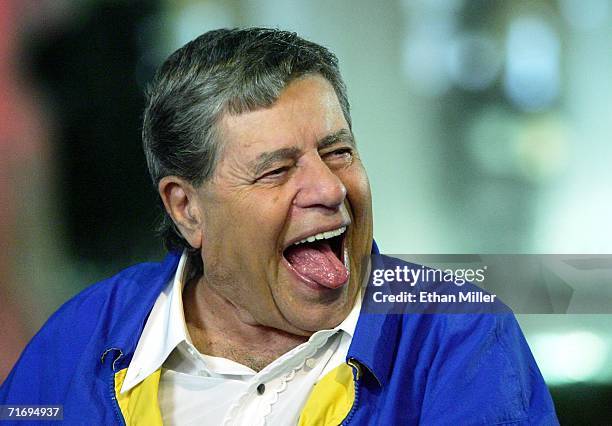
126 331
375 338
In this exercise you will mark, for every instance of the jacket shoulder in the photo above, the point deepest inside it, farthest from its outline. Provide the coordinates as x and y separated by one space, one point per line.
485 356
457 364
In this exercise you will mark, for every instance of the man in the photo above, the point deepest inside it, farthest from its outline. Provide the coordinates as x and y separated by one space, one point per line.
254 317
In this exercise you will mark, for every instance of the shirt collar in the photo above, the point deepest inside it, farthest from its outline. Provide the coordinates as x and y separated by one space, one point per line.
166 328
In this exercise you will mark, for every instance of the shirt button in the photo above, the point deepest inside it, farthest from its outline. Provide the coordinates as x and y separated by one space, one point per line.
261 389
310 363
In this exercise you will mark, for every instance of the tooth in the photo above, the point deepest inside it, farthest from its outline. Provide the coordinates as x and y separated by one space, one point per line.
322 236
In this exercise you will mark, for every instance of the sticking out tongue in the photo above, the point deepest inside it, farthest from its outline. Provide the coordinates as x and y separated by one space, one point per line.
318 262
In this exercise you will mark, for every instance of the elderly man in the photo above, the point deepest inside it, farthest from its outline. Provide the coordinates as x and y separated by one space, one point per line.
255 315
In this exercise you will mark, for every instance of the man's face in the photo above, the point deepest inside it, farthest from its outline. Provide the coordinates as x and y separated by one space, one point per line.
287 173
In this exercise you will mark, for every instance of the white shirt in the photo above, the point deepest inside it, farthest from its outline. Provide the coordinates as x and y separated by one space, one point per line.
205 390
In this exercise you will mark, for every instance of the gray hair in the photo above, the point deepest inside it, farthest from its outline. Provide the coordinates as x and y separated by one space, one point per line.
222 71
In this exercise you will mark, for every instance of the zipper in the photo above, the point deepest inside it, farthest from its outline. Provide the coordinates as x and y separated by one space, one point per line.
356 376
113 395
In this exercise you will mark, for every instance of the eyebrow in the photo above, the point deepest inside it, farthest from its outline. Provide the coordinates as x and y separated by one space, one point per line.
266 160
342 135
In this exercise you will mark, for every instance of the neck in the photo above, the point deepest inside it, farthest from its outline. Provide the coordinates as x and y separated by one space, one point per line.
216 328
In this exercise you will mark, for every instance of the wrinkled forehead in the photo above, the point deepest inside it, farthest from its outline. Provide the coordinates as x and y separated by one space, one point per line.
306 112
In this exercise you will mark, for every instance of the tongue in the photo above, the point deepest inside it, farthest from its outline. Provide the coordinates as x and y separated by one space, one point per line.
318 262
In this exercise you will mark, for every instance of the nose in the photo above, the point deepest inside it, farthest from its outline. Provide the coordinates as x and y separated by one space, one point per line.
318 186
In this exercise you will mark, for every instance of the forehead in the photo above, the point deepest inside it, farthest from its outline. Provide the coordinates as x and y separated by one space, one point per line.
306 111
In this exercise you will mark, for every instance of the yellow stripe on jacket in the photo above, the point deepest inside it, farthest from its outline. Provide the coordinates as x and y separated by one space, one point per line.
139 405
331 399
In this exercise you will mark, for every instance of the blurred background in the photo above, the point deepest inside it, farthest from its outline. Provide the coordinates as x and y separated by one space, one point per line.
485 127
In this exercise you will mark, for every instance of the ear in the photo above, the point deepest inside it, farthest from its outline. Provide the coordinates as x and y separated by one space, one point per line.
181 202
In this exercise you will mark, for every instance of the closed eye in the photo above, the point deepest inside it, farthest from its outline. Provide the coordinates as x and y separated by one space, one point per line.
340 154
275 173
342 151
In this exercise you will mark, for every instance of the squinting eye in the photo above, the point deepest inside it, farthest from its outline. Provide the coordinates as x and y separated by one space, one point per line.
340 153
275 173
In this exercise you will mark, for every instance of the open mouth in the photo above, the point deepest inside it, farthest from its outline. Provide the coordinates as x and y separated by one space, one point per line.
320 258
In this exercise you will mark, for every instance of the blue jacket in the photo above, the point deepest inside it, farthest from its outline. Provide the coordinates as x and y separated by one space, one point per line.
446 369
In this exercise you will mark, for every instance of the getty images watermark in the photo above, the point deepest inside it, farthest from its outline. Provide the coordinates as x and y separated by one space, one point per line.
490 284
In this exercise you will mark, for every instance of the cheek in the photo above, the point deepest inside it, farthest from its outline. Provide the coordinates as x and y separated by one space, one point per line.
247 229
273 203
358 192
